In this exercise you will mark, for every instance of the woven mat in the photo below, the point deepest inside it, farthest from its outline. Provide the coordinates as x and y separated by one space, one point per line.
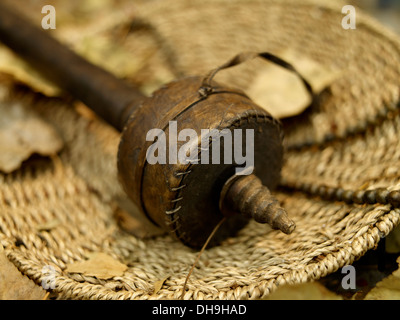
349 140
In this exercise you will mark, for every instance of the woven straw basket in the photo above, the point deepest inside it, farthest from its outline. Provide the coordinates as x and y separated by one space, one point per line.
349 140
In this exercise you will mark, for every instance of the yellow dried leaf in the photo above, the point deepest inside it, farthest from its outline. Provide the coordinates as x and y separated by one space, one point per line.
99 265
22 71
305 291
393 241
387 289
282 93
47 226
159 284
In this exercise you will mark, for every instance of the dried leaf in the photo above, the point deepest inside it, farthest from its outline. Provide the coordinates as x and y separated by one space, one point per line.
282 92
99 265
22 71
388 288
159 284
22 134
132 221
305 291
14 285
49 225
105 51
393 241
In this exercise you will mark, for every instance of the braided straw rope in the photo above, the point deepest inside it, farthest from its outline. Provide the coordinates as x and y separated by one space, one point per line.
356 125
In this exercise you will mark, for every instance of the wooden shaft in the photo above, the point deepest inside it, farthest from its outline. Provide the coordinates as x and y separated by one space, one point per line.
104 93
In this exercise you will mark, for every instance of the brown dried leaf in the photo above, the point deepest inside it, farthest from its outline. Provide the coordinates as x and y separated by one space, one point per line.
14 285
130 219
99 265
22 134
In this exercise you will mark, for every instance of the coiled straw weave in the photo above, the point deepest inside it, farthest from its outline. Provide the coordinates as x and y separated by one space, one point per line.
350 139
